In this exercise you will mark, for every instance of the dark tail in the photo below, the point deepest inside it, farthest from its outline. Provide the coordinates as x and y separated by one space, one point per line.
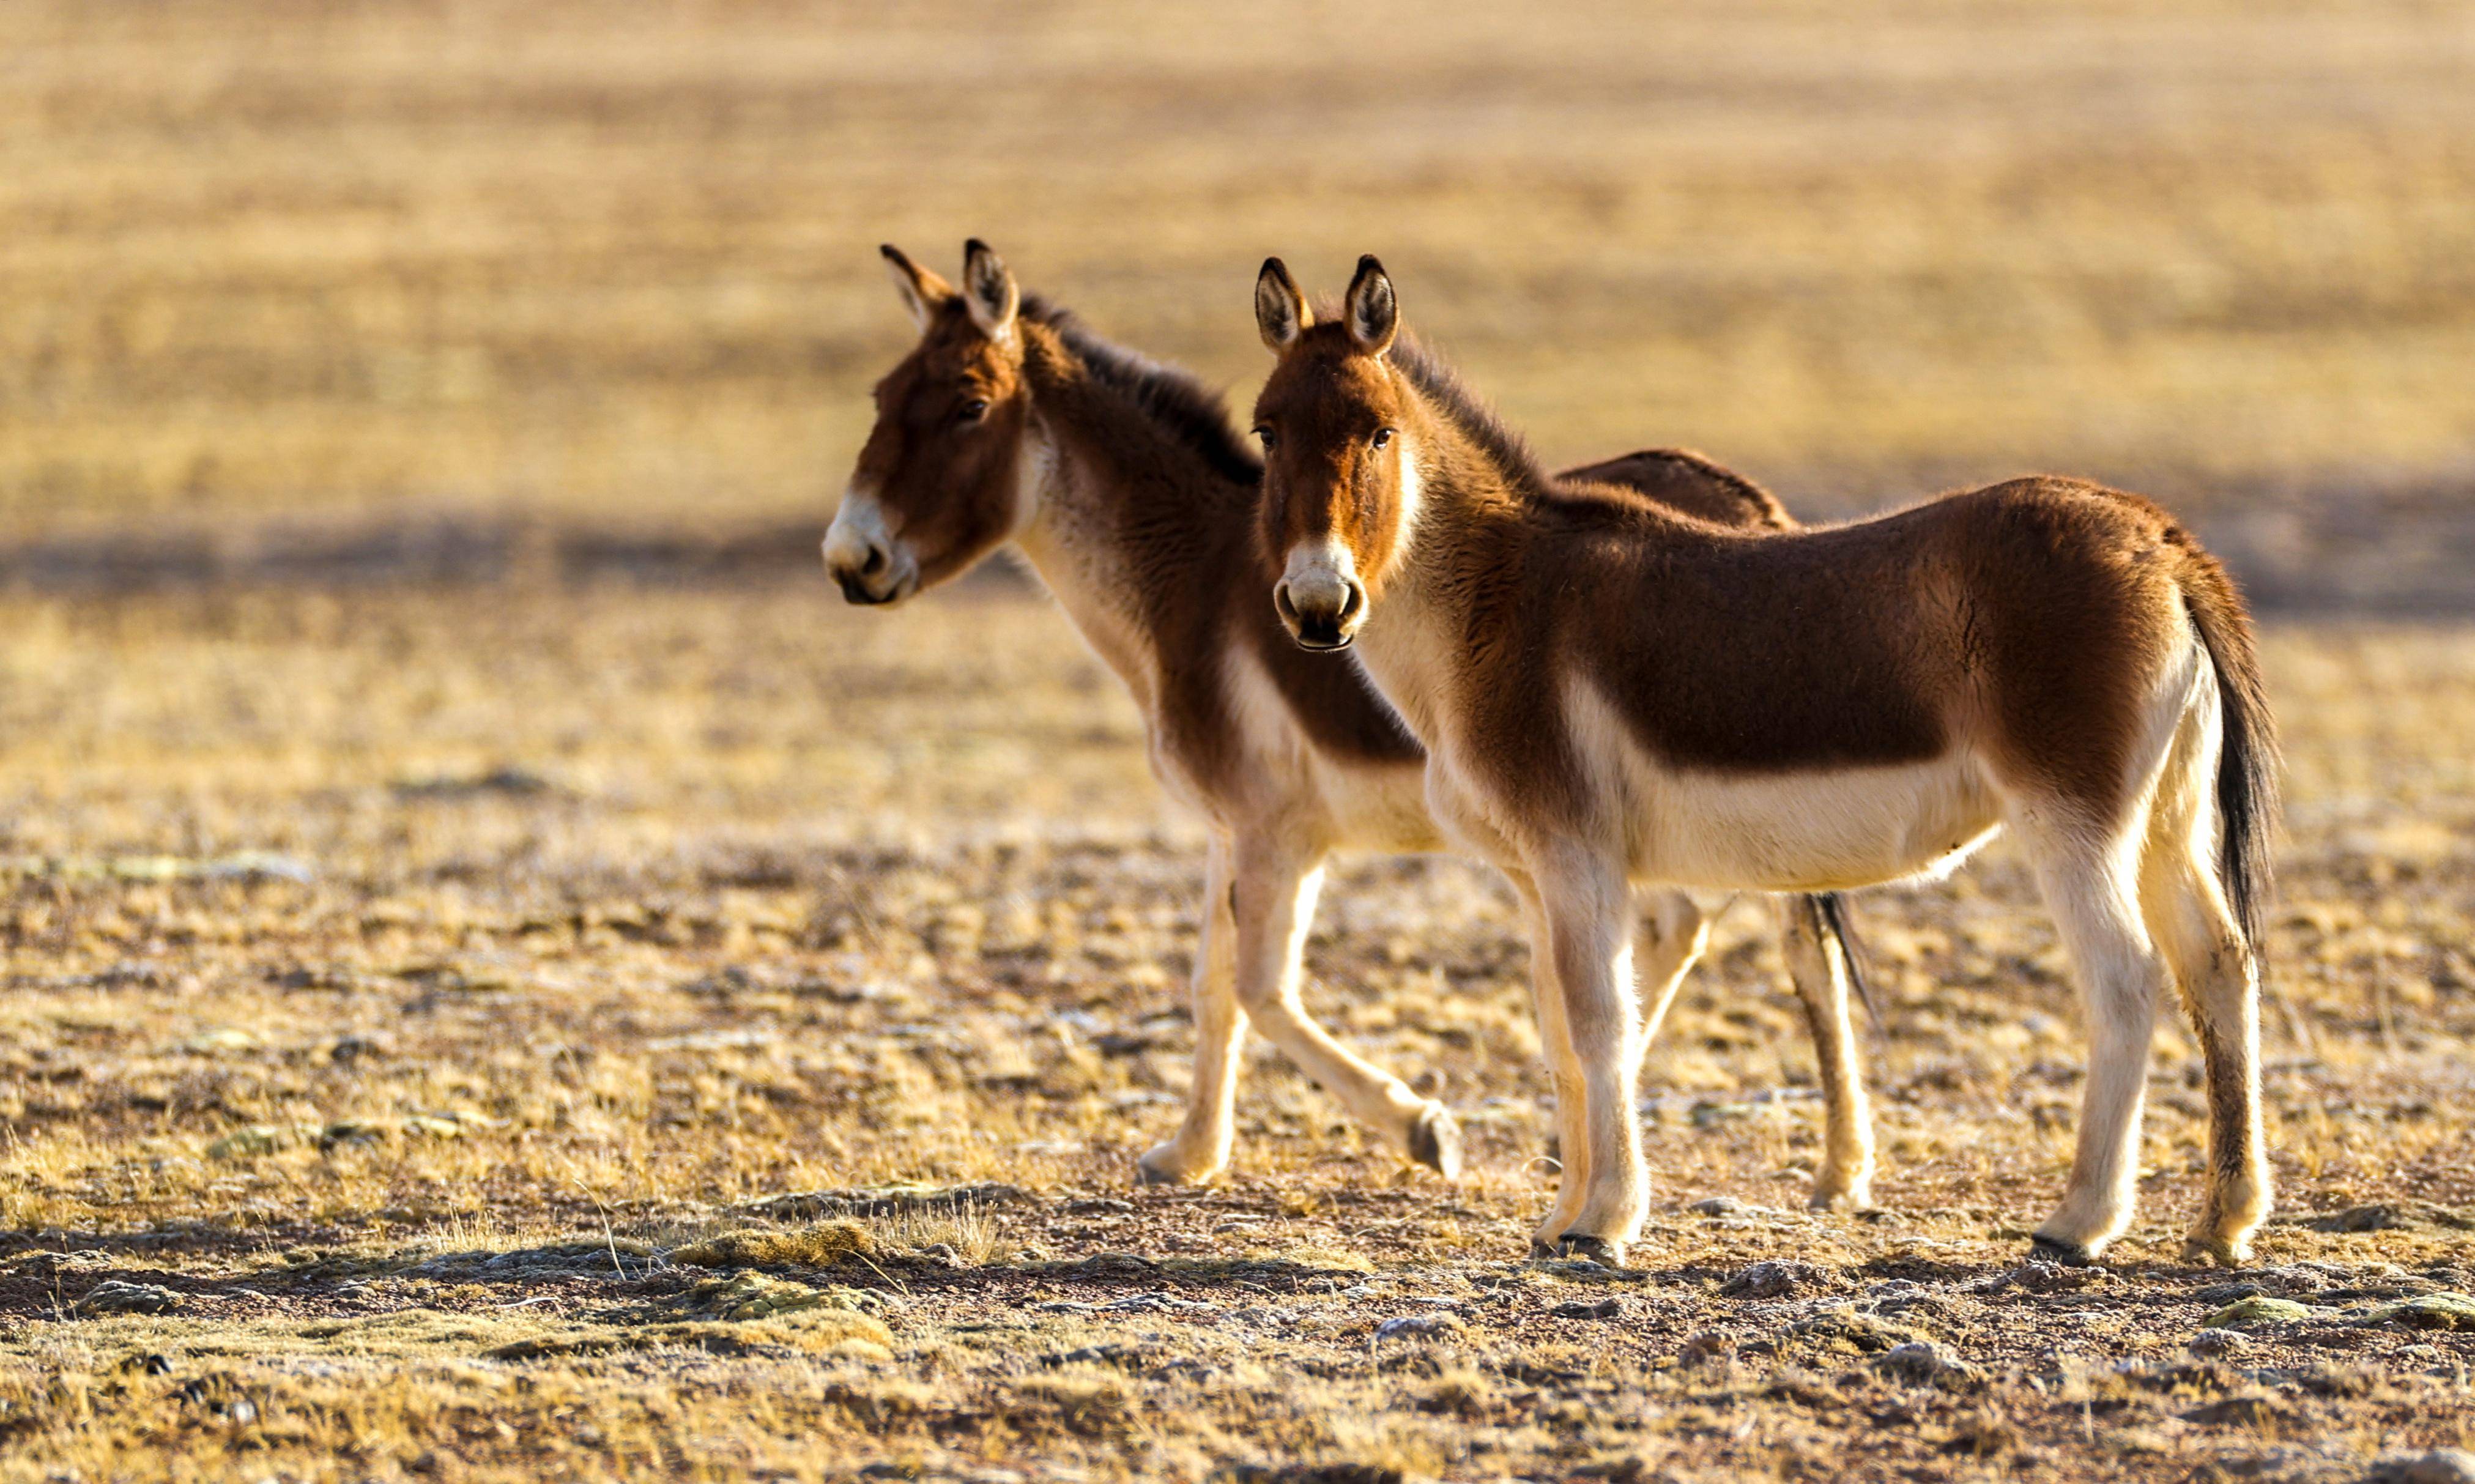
2247 756
1831 923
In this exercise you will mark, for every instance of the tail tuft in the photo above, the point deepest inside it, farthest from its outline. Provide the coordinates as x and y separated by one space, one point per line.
1831 921
2248 804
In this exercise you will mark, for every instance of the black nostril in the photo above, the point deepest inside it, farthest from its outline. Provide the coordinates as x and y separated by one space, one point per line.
1351 599
1281 600
874 564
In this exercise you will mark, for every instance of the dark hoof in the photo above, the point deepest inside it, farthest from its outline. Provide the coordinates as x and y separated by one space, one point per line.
1145 1174
1590 1249
1542 1252
2067 1255
1435 1142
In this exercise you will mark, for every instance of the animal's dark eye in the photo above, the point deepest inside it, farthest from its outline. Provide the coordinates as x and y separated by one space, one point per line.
1382 436
1266 435
974 410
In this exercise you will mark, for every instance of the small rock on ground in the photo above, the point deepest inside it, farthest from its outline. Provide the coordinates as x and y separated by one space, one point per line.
1419 1327
2262 1309
2219 1343
2039 1277
113 1295
2431 1311
1922 1363
2440 1465
1774 1279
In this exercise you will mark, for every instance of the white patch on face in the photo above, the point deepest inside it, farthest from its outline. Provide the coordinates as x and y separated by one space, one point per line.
1321 573
1035 470
858 525
860 530
1412 488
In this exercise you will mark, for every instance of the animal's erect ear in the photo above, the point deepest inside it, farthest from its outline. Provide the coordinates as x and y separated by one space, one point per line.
1280 309
922 292
988 290
1374 315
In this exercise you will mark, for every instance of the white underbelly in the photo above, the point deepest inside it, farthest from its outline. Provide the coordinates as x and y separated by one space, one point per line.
1807 832
1824 830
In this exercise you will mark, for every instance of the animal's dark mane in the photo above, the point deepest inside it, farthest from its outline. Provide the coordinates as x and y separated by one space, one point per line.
1463 407
1543 491
1188 412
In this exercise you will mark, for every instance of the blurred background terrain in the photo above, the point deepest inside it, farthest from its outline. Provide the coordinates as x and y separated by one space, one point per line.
449 268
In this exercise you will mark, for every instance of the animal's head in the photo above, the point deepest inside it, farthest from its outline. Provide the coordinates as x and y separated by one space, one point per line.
938 486
1340 479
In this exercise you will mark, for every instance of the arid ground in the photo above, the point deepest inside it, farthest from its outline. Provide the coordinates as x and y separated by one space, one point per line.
600 1028
503 976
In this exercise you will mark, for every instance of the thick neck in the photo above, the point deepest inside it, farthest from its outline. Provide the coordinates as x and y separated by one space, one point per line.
1467 515
1099 476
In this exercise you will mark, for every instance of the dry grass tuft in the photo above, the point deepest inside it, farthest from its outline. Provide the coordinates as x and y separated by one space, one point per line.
821 1245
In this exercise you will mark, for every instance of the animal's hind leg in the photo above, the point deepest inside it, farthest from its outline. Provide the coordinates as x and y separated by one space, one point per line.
1272 897
1819 971
1200 1148
1669 941
2092 888
2217 976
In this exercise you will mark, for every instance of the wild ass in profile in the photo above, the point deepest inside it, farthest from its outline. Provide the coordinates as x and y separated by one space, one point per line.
1615 695
1132 497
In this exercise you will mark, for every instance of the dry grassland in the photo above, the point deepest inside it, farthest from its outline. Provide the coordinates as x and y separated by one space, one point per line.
580 1031
545 1028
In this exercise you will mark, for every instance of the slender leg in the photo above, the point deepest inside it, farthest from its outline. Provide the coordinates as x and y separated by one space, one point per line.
1199 1150
2094 895
1673 935
1591 954
1820 974
1563 1071
1271 901
2217 977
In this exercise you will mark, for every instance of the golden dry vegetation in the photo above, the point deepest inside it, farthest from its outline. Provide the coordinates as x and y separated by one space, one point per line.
610 1029
617 263
530 1023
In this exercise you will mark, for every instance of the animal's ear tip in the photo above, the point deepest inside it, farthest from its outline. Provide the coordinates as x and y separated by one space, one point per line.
889 251
1369 263
973 247
1272 266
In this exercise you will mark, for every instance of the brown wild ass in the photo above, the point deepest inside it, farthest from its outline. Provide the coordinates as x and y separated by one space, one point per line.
1616 695
1129 492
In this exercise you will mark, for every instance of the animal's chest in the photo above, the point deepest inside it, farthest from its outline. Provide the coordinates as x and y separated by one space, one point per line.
1378 806
1469 811
1247 756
